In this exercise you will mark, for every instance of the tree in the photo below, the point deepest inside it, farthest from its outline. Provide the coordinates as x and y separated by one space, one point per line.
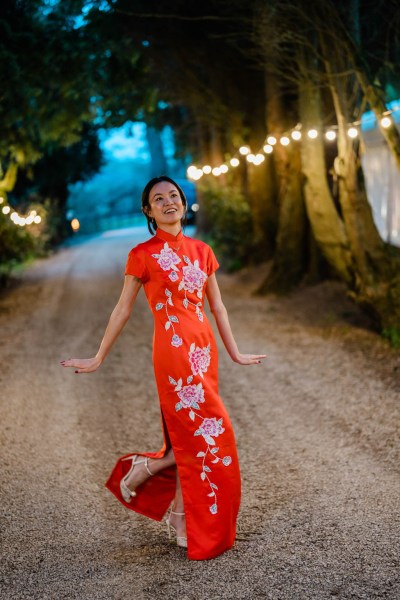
319 58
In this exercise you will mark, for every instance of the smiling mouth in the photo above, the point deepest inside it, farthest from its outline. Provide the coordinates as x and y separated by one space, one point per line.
170 210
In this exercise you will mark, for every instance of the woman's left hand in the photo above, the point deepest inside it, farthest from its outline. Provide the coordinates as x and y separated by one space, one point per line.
249 359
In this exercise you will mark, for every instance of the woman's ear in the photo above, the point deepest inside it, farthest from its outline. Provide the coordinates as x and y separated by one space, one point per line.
147 211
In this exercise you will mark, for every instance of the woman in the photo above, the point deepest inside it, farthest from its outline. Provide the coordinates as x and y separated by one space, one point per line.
196 472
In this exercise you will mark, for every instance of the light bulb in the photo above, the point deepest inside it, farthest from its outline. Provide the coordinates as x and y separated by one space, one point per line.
271 140
224 169
37 219
234 162
6 210
216 171
296 135
312 134
268 149
191 170
207 169
259 158
250 158
352 132
244 150
284 140
330 135
386 122
197 174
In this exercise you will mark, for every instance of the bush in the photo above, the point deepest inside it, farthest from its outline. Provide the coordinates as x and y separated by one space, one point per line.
229 222
19 244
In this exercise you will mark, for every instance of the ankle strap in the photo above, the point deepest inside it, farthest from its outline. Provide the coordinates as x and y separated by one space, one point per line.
175 513
146 466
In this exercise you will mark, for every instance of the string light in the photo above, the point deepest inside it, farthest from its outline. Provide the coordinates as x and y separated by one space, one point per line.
258 159
18 219
352 132
295 134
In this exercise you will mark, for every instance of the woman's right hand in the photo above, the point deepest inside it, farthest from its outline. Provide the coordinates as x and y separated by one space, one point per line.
82 365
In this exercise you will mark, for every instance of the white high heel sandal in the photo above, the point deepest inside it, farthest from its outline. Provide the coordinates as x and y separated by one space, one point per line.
181 540
126 493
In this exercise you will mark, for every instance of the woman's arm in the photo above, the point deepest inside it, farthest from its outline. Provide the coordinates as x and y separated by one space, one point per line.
119 316
221 317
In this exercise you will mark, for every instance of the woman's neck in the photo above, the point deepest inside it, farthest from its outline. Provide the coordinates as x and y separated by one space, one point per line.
174 229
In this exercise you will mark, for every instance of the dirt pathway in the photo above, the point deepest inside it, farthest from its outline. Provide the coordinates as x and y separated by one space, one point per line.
317 428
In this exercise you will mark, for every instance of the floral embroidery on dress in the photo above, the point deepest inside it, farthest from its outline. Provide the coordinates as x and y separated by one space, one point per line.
193 277
209 429
176 341
173 276
190 397
199 359
167 259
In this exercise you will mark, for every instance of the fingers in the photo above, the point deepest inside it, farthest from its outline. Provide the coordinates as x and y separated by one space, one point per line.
252 359
66 363
80 365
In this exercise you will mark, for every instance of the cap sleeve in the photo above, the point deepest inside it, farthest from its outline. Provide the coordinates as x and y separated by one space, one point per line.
136 265
212 263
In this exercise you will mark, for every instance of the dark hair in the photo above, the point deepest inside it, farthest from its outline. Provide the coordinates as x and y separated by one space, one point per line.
151 223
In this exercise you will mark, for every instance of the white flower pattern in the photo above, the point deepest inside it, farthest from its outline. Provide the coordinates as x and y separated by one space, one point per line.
199 359
190 397
167 259
192 280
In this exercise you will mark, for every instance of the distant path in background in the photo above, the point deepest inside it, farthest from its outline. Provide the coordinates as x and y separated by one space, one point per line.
317 427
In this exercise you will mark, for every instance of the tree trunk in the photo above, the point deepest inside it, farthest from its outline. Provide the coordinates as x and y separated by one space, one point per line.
372 93
9 180
377 273
374 99
326 224
289 261
158 164
285 187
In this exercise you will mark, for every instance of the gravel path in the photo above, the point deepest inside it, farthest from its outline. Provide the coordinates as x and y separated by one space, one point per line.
317 427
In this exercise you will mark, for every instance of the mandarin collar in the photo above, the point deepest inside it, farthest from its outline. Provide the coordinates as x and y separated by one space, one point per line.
168 237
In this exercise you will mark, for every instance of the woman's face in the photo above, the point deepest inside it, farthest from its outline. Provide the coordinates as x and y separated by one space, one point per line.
166 205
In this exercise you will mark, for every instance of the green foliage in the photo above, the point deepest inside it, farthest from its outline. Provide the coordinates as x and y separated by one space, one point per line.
229 222
393 335
19 244
47 181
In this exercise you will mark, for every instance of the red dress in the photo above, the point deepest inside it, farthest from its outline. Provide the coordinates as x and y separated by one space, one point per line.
174 272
